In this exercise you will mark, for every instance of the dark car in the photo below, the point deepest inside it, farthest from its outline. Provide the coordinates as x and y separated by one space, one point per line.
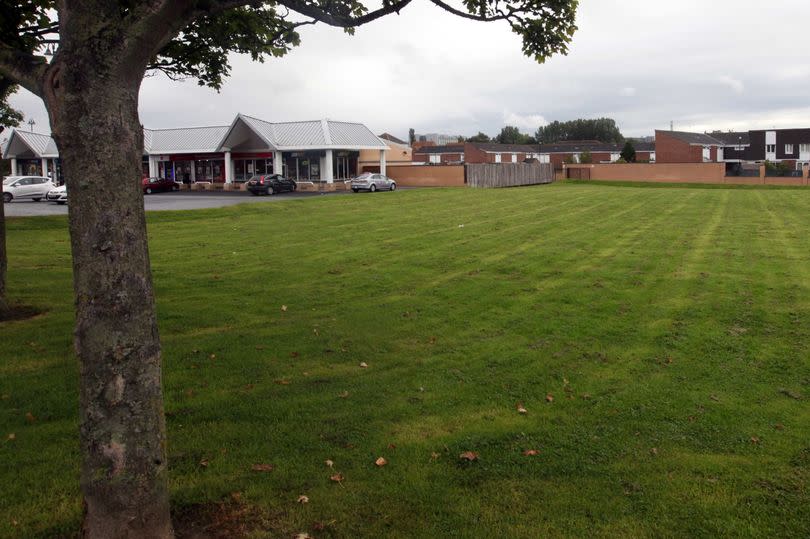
269 184
156 185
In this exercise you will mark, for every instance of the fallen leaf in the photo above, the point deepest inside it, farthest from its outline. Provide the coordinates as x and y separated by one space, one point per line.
303 499
531 453
236 496
779 426
380 462
262 467
294 354
315 331
12 436
392 446
586 396
434 456
337 478
549 398
344 394
259 347
303 535
469 456
212 356
432 340
363 365
329 463
204 463
654 451
282 382
30 417
715 398
754 439
521 409
284 308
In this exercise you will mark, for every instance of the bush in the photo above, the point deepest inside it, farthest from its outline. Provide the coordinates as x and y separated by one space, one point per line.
585 157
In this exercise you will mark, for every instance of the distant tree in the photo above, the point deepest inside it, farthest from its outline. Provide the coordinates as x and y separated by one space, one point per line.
411 136
629 152
9 117
601 129
512 135
585 157
480 137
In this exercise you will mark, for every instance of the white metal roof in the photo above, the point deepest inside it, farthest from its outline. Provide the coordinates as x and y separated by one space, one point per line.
23 142
183 139
286 136
309 135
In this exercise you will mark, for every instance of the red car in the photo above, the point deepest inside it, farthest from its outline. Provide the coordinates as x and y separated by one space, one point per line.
155 185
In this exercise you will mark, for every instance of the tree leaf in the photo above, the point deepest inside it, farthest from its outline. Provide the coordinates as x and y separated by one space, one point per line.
262 467
284 308
303 499
549 397
337 478
363 365
469 456
380 462
521 409
329 463
531 453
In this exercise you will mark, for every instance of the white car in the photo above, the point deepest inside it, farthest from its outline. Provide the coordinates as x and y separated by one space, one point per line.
57 194
373 182
26 187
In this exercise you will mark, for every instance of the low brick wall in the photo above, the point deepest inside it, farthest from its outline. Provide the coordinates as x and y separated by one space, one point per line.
427 175
714 173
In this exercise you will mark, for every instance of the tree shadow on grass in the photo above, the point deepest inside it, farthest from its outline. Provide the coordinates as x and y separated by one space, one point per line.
20 312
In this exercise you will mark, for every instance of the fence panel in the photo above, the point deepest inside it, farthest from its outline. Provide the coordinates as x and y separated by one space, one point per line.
508 174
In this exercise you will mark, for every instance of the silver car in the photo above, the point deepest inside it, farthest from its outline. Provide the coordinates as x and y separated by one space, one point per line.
22 187
58 195
369 181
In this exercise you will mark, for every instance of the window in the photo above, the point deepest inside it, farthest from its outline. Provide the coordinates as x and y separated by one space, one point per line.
514 158
435 158
770 148
804 148
789 149
497 158
615 157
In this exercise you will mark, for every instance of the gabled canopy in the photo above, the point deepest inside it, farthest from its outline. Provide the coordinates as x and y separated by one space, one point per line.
26 144
248 133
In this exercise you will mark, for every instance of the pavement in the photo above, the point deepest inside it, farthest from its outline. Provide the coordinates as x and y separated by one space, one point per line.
181 200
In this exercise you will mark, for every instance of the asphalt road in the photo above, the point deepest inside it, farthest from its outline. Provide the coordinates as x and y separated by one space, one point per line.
183 200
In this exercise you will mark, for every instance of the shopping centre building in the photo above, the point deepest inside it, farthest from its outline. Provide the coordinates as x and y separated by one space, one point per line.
316 151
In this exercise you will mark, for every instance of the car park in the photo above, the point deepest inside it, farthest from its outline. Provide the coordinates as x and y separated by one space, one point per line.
373 182
58 195
26 188
270 184
157 185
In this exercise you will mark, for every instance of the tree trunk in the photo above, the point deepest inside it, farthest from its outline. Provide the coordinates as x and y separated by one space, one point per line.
4 307
93 108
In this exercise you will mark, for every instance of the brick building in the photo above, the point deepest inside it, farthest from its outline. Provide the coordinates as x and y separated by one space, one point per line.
475 152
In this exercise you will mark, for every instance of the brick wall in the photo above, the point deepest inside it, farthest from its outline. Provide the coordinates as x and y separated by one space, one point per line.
427 176
668 149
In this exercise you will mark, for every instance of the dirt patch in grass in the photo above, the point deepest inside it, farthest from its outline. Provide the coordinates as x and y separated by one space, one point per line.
218 520
20 312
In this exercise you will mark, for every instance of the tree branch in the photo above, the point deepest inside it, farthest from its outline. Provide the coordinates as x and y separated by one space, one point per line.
467 15
318 13
24 68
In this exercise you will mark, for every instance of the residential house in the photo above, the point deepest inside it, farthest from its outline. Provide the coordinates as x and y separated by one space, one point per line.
476 152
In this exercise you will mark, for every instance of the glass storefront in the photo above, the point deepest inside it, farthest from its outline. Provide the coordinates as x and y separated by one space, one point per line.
302 166
210 170
245 168
344 165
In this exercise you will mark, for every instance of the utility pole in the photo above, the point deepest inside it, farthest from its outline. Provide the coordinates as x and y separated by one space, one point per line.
31 124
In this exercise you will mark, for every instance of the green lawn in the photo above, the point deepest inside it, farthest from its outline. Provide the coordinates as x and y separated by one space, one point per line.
671 326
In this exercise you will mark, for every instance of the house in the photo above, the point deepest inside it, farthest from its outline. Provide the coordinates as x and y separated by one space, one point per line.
316 151
685 147
475 152
571 151
397 154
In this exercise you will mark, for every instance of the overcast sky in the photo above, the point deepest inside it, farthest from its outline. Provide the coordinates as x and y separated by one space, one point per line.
719 64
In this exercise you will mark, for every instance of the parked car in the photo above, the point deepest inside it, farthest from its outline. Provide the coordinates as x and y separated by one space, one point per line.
57 194
269 184
156 185
26 187
373 182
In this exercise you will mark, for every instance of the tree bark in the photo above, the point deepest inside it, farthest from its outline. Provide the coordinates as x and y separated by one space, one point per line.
93 106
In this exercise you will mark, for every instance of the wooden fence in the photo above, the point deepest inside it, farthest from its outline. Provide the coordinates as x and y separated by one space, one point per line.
508 174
